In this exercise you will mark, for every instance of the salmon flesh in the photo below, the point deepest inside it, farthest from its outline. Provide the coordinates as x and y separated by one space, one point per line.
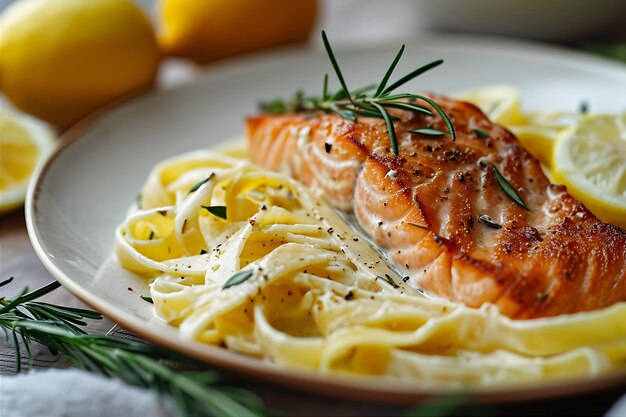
440 213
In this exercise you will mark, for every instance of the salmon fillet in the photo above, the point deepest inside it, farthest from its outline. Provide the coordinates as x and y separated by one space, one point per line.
438 210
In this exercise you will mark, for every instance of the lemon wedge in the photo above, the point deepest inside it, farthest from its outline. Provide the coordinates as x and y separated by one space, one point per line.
24 142
590 159
501 103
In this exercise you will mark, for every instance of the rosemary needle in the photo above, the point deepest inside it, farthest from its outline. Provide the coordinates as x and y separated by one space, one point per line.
366 101
57 327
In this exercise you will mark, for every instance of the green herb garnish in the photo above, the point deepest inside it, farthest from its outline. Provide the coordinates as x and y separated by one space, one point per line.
201 183
489 222
427 131
136 363
219 211
482 133
583 107
237 279
508 188
146 298
362 102
389 281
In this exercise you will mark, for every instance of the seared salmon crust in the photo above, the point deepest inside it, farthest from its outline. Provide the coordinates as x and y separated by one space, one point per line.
438 210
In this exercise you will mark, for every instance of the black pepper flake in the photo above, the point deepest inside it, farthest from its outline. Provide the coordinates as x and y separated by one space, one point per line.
330 230
349 296
162 212
489 222
184 225
263 207
328 147
429 148
202 252
380 224
252 222
130 289
356 239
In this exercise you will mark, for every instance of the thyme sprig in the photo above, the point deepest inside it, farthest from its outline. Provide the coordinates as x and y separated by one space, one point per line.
140 364
374 100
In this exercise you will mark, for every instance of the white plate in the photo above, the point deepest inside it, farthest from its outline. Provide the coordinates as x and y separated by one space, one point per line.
84 190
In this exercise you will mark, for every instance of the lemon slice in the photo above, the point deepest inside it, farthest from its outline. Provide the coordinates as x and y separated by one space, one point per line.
590 159
538 140
24 142
539 132
501 103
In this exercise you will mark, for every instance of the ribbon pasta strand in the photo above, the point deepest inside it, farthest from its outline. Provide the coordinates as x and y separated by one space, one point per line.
315 295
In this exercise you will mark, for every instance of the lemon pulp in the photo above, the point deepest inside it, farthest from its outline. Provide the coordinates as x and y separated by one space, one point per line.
590 159
24 142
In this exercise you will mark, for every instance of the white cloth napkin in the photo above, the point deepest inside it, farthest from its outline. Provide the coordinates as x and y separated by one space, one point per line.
618 409
77 393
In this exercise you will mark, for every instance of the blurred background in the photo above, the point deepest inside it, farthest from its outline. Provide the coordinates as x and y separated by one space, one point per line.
61 60
205 31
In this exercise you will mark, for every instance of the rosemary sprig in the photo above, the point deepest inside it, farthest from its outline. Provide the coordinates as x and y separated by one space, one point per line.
195 393
508 188
350 104
389 281
147 299
197 186
482 133
483 218
426 131
219 211
237 278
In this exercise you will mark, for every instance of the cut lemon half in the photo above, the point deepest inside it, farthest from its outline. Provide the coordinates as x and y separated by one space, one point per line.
24 142
501 103
590 159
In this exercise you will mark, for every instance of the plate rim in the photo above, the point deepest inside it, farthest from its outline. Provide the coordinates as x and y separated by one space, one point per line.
333 384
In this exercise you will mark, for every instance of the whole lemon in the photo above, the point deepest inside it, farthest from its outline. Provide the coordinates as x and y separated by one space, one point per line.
62 59
206 30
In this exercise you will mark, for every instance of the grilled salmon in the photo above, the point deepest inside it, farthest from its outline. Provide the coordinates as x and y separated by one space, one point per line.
443 217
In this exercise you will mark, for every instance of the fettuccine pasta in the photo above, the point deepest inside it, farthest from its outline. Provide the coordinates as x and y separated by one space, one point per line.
252 260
